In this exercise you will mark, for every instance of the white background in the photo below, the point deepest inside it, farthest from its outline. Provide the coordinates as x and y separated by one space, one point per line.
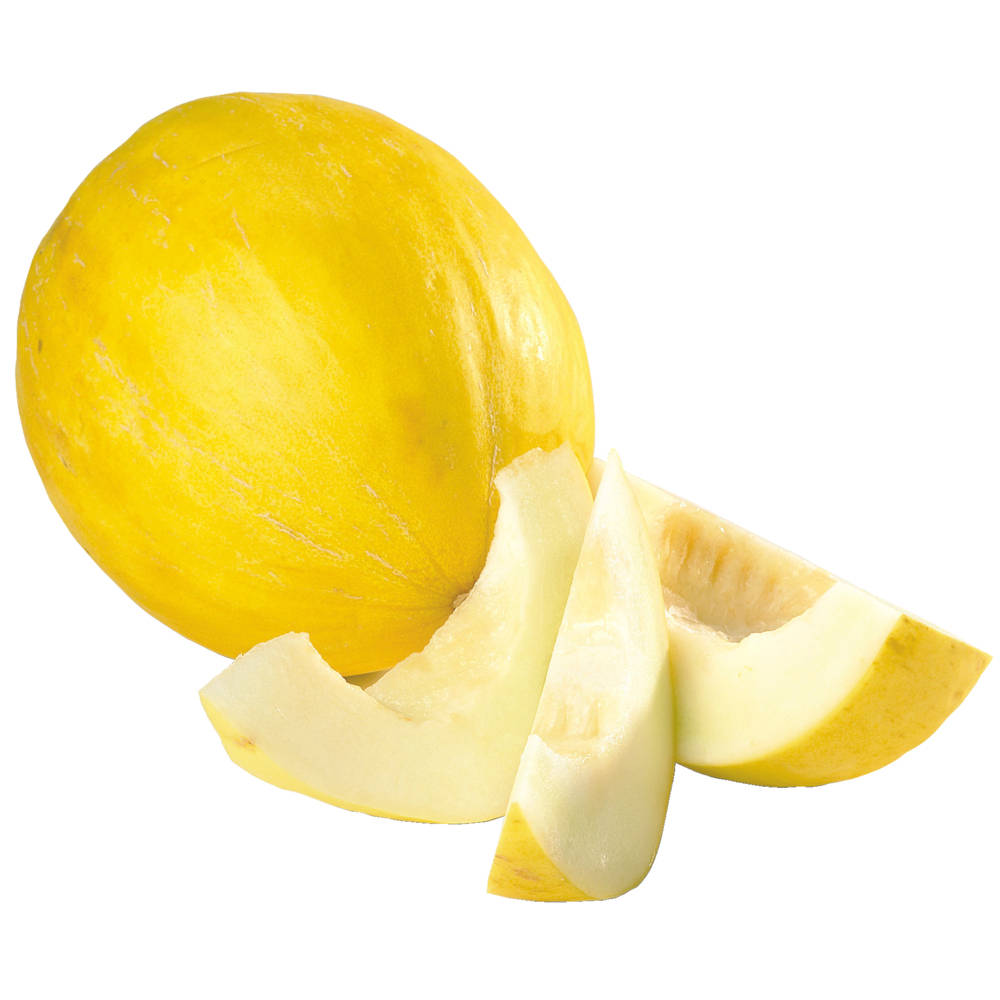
779 224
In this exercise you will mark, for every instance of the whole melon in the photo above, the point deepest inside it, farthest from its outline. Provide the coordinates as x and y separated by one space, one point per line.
270 357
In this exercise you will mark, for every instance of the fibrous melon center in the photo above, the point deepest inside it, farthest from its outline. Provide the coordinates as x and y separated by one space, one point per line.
717 575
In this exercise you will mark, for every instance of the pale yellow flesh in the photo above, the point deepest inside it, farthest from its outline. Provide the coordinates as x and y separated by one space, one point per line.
438 737
587 808
783 674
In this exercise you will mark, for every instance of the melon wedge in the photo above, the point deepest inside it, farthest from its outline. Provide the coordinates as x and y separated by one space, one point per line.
587 808
438 737
783 674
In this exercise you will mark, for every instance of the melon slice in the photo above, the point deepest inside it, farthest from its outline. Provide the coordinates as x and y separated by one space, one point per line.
783 674
587 808
438 737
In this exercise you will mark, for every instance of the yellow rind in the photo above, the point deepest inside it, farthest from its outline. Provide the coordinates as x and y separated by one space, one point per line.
918 678
245 752
268 349
522 870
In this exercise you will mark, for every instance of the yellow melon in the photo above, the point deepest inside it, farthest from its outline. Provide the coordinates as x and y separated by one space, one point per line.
271 355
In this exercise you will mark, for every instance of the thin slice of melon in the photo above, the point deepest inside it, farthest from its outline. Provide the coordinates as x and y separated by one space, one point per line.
783 674
588 804
438 737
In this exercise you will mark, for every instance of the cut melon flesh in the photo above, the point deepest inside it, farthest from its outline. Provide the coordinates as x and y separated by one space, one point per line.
783 674
437 737
587 807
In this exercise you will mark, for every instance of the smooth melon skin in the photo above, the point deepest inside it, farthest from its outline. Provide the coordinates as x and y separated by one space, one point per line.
522 870
271 355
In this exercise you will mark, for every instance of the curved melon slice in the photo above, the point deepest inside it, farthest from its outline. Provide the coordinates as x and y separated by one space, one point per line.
783 674
437 737
587 808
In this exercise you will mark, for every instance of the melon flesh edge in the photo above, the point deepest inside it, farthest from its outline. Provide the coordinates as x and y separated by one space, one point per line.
746 699
438 737
591 792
